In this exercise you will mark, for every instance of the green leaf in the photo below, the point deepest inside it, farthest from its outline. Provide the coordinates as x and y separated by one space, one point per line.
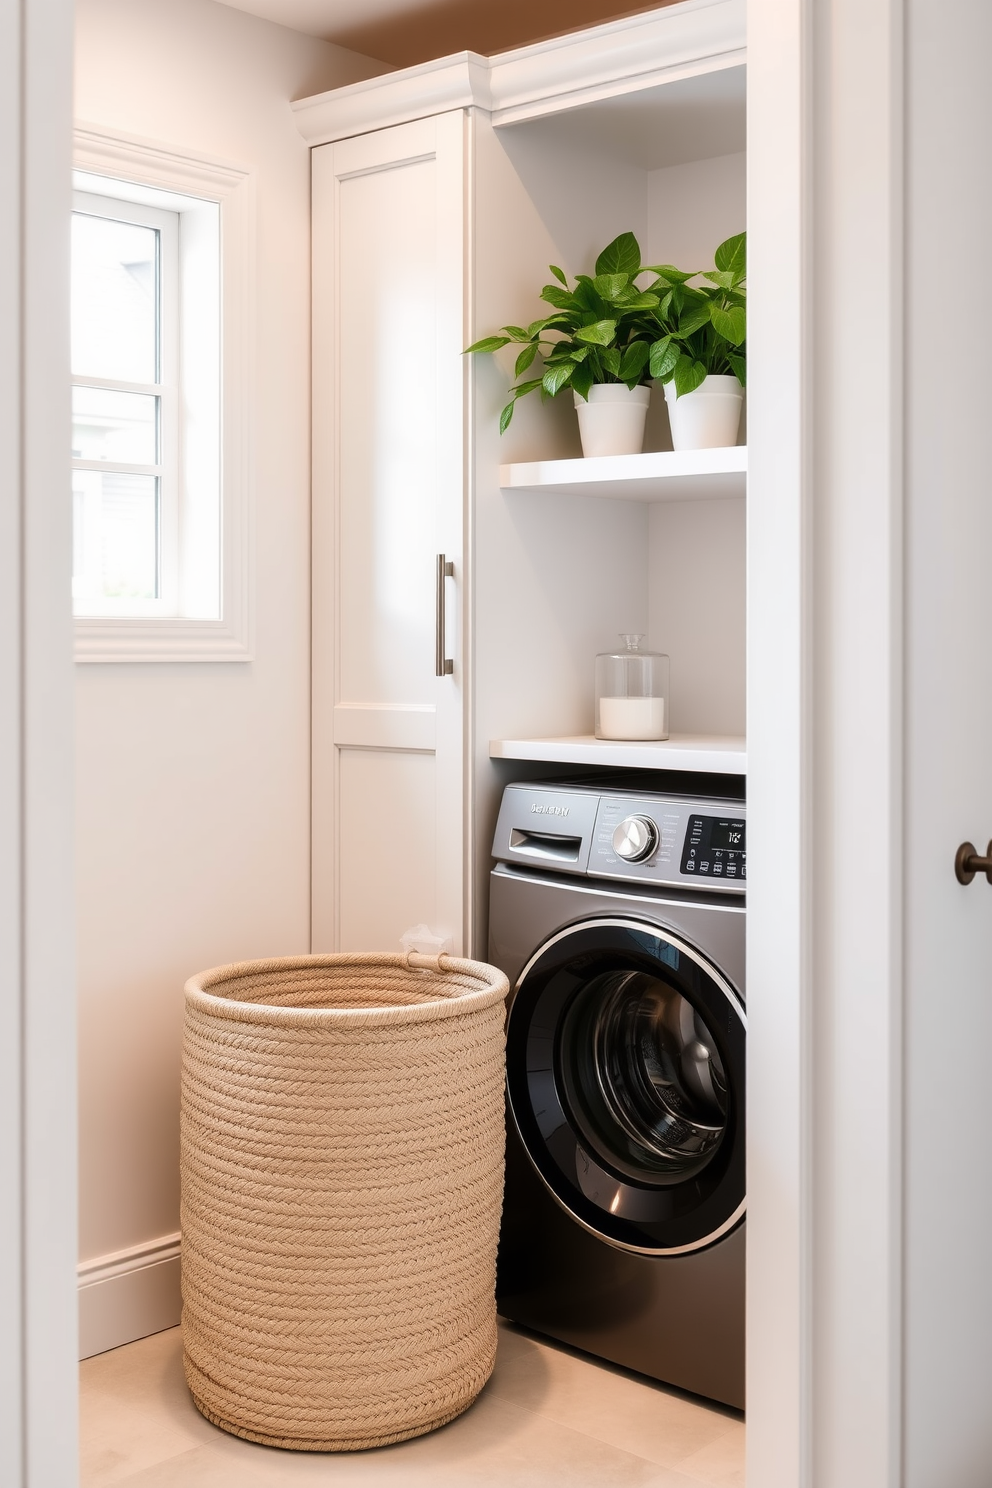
732 255
536 326
622 256
688 375
555 378
488 343
739 366
579 353
610 358
600 333
587 298
525 387
611 286
730 324
525 358
559 298
582 380
664 355
640 302
505 417
517 333
669 273
724 277
633 363
693 318
558 274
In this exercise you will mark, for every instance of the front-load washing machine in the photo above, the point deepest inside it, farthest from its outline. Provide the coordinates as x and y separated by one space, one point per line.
618 916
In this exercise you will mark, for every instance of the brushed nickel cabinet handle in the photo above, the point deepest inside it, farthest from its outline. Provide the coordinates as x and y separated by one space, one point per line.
967 863
443 665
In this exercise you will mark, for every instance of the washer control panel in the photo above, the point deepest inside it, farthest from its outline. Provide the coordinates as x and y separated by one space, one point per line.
670 840
647 838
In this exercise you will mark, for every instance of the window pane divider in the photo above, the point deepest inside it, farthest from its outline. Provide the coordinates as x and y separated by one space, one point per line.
116 467
108 384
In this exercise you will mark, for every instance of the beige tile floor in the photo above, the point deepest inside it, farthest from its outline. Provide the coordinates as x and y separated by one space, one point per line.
547 1417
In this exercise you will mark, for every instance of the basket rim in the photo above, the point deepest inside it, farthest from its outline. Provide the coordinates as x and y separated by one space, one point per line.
494 988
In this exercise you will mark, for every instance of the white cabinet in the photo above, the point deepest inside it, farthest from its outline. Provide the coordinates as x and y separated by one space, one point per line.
441 194
388 478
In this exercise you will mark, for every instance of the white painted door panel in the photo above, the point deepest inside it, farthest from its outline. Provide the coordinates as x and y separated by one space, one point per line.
388 481
387 826
948 989
387 332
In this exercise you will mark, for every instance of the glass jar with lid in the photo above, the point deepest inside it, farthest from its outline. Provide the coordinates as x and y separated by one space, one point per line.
631 692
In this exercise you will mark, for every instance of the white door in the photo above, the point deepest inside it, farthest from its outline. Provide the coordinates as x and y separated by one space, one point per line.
948 952
388 480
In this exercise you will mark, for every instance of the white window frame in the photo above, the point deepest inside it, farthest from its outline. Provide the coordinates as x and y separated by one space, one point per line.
157 636
166 389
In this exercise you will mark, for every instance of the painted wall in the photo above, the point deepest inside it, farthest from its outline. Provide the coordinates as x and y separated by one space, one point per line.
696 583
193 781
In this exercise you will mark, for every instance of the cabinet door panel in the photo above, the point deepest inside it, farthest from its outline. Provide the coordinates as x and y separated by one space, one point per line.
386 452
387 826
388 477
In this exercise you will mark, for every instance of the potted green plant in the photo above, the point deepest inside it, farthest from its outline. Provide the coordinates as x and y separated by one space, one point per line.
701 354
597 342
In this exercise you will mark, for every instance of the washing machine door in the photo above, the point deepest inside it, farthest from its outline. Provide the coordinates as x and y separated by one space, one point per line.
625 1078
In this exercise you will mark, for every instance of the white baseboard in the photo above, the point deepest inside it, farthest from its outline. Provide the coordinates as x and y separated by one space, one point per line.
128 1295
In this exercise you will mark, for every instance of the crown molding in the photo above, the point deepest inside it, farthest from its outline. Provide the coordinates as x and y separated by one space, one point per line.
459 81
619 57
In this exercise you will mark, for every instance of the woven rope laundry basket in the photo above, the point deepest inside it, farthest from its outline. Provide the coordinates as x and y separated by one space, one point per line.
342 1181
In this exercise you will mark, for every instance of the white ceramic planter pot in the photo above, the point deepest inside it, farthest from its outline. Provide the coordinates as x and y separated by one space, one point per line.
709 418
611 420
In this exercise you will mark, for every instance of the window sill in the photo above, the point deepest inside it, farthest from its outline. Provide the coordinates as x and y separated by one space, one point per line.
141 640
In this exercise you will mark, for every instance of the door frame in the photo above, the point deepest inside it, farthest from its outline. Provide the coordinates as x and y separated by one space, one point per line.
38 1370
825 565
825 131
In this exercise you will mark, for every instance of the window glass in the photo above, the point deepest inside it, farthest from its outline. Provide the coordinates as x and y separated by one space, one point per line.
109 425
117 403
115 310
115 535
148 522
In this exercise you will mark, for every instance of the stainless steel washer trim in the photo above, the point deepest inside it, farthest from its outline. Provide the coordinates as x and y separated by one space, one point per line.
732 997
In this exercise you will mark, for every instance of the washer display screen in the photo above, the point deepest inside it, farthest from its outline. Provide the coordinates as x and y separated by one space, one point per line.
715 847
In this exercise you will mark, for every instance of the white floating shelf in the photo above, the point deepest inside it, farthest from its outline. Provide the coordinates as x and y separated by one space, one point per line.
665 475
718 754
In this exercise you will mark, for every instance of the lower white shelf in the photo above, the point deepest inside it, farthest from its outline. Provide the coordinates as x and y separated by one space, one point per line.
718 754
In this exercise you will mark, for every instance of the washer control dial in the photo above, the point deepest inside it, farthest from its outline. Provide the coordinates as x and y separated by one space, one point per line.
635 839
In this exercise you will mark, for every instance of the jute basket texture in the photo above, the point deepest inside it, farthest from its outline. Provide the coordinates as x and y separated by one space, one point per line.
342 1182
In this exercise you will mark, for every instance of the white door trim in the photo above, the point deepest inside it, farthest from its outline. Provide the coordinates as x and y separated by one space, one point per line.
38 1380
825 134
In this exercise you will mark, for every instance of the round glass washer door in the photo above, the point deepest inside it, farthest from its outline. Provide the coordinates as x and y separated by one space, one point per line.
625 1069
